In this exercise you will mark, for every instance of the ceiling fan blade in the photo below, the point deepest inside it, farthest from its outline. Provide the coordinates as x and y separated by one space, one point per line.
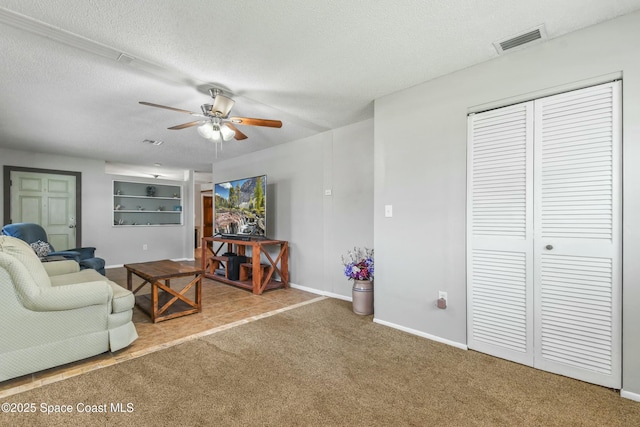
186 125
247 121
222 105
239 135
167 108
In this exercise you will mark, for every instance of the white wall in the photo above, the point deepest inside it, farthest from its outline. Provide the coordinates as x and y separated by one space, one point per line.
420 168
124 244
116 245
319 228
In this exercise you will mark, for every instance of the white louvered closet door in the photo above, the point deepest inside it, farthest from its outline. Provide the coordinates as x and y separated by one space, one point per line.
544 246
577 234
500 233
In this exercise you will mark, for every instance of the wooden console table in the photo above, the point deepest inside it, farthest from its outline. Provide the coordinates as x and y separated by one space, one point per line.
262 275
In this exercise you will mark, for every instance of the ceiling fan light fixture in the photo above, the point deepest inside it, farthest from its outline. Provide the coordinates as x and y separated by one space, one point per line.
216 137
227 133
206 130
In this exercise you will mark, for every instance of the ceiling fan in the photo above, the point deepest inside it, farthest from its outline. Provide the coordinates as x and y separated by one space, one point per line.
215 123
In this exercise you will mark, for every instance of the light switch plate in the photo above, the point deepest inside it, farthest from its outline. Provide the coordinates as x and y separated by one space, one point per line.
388 211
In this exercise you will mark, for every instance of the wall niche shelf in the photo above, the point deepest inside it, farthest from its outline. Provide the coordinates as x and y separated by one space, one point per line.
144 204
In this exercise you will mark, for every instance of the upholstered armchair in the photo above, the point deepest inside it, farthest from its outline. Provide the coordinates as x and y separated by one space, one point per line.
33 233
53 313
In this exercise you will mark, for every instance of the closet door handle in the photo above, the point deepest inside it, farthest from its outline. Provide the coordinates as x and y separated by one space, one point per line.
548 247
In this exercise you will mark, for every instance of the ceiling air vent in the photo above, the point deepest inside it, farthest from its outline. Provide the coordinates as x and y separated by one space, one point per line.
519 40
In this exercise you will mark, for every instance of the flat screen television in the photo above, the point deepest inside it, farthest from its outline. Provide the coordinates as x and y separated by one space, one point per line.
240 207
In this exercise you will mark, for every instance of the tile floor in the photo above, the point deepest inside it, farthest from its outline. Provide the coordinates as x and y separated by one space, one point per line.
223 306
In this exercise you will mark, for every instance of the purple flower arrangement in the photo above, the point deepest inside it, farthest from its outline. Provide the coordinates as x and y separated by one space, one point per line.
358 264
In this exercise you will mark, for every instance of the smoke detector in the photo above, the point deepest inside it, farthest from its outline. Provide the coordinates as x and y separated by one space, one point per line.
520 40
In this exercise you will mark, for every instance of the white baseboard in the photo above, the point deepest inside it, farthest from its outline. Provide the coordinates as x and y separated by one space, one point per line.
113 266
422 334
319 292
629 395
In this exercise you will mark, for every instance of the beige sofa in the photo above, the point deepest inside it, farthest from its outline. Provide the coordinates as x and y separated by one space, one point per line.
52 313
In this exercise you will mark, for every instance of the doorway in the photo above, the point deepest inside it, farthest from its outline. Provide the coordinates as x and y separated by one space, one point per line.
207 215
47 197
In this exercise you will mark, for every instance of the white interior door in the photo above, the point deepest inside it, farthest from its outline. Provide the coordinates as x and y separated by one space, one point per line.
544 245
48 200
578 248
500 233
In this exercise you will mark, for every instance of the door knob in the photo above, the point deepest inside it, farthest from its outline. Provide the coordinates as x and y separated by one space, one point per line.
72 226
548 247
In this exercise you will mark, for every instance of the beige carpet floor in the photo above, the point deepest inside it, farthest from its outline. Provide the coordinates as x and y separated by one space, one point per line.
320 364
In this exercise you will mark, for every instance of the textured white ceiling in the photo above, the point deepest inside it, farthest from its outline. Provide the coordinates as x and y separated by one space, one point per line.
315 65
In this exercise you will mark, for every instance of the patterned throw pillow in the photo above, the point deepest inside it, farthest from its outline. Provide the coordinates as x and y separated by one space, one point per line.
41 248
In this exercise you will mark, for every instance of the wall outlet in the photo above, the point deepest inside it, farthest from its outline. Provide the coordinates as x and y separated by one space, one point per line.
442 300
144 247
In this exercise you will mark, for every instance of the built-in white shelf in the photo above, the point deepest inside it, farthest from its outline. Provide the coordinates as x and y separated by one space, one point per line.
144 204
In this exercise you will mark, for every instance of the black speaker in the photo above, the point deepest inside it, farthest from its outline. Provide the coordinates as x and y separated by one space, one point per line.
233 266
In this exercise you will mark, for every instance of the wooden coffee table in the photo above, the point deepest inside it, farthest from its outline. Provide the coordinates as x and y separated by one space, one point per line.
165 303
